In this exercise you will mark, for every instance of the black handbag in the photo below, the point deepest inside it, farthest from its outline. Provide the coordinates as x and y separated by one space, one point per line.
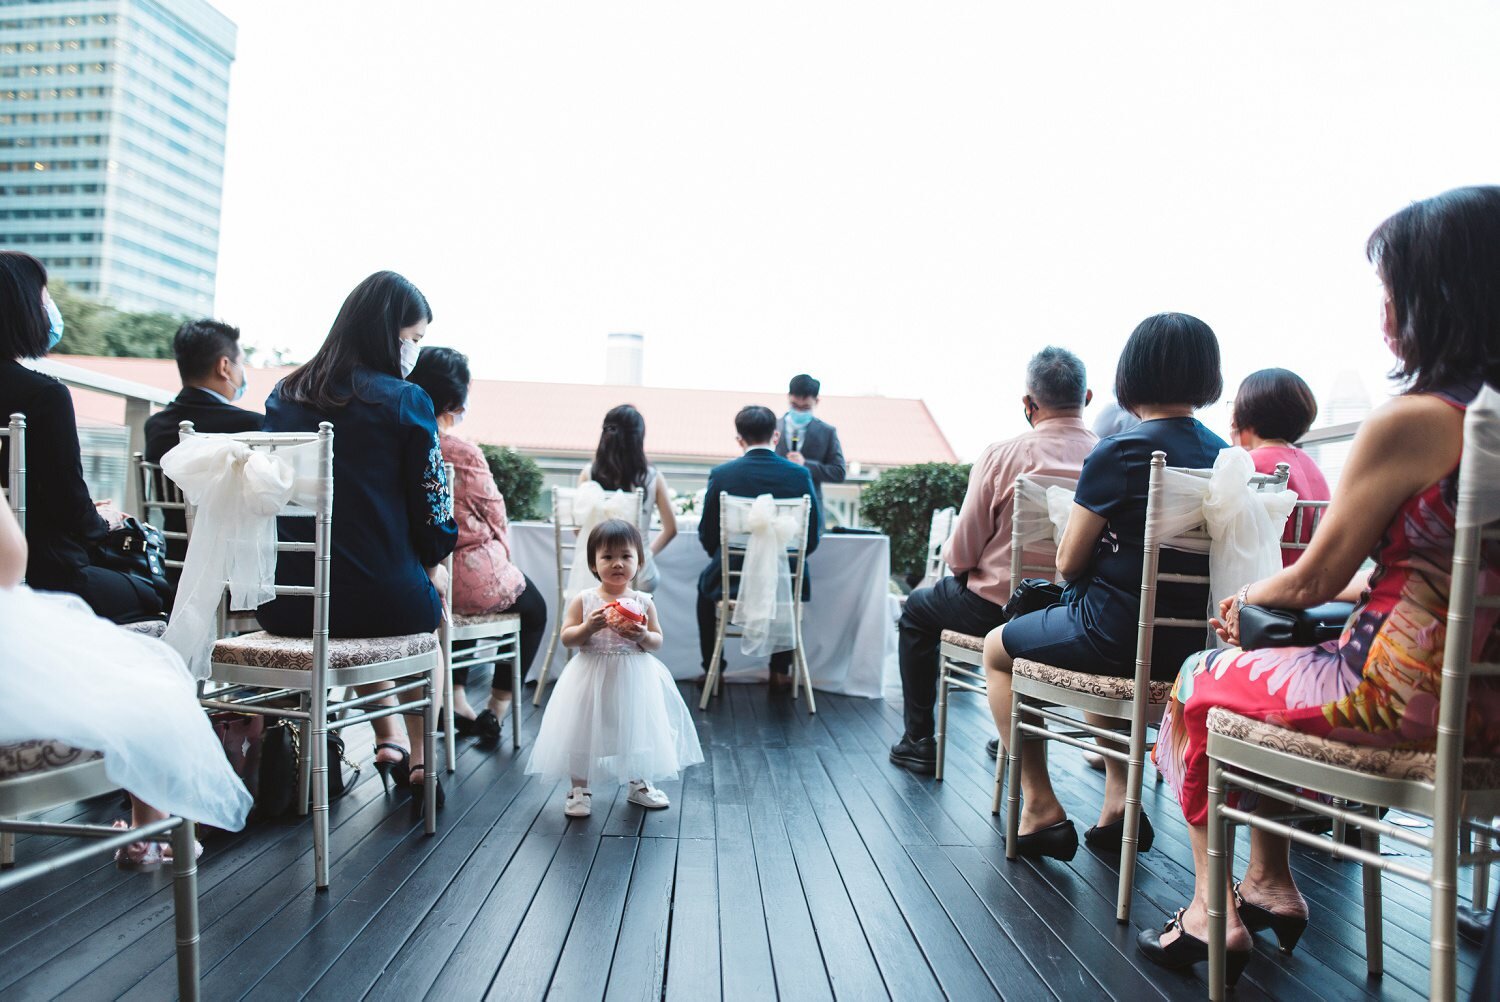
1263 626
137 549
1033 595
280 755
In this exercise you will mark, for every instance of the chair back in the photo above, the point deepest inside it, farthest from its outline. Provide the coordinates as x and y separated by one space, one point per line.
1033 550
1193 538
1474 597
937 537
14 437
734 536
567 534
159 495
1301 524
318 506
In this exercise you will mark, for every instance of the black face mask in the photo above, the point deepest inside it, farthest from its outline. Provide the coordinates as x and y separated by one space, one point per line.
1029 409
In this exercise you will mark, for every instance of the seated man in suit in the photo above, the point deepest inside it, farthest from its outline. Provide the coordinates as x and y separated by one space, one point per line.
759 471
810 441
212 367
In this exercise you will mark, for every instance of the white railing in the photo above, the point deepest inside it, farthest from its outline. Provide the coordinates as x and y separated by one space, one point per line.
139 402
1329 448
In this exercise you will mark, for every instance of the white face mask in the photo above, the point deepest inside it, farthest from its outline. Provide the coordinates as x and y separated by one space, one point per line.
409 351
458 417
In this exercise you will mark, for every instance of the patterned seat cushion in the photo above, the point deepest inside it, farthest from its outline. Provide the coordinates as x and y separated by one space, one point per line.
148 627
488 619
1392 763
267 650
964 640
1108 686
26 757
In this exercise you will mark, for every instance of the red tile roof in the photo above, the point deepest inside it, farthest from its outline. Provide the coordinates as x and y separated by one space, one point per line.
564 418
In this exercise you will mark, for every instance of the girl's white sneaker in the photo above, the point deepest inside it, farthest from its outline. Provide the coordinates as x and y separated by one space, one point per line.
646 795
580 803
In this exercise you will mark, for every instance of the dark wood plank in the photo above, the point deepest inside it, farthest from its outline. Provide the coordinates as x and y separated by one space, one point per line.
583 968
693 970
639 968
745 949
799 970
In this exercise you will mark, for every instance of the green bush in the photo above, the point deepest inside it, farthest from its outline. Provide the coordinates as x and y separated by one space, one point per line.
519 480
900 503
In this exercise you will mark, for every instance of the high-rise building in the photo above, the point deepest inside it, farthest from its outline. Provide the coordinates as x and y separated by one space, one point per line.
112 116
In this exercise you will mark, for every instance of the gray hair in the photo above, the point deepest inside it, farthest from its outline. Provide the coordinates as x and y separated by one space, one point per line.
1056 379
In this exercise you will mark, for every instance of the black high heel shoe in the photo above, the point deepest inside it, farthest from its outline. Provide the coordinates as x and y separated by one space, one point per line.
1109 837
1288 928
416 776
1186 950
399 770
1059 841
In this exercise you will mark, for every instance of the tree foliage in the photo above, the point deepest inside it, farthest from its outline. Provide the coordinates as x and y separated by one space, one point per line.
900 503
94 328
519 480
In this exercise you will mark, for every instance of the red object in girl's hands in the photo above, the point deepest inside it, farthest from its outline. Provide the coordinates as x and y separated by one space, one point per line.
625 612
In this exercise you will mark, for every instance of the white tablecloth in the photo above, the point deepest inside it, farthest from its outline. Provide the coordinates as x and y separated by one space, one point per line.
847 627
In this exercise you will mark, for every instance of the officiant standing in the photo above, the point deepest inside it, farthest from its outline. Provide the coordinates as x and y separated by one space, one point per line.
806 440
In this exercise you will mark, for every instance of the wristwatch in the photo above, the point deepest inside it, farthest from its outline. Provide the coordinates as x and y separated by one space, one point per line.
1242 599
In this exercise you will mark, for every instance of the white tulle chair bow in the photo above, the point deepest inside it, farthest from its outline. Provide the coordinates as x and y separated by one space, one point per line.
1479 502
236 492
763 607
593 504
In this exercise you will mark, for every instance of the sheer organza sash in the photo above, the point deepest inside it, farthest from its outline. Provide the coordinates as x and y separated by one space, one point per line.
763 607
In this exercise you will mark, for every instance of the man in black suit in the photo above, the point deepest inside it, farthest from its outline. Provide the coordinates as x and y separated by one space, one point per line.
212 367
759 471
807 440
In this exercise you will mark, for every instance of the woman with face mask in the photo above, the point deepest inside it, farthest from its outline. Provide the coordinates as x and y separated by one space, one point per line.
393 513
64 527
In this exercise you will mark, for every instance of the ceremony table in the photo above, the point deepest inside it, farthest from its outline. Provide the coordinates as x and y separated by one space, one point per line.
848 630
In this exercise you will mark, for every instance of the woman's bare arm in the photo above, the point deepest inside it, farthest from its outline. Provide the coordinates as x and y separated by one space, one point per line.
668 516
12 549
1079 539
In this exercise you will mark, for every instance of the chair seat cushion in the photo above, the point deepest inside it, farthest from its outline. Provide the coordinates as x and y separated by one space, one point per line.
487 619
1107 686
148 627
26 757
964 640
267 650
1391 763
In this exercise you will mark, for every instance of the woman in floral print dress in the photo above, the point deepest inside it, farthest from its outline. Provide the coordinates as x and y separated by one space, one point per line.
1378 684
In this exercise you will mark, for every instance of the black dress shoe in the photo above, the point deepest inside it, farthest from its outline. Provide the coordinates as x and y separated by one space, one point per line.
487 727
992 747
1288 928
1108 837
1059 841
1185 951
917 754
1472 925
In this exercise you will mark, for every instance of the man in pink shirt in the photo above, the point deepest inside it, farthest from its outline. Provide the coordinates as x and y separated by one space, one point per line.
973 600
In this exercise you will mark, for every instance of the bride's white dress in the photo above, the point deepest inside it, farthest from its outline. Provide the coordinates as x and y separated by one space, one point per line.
69 676
614 715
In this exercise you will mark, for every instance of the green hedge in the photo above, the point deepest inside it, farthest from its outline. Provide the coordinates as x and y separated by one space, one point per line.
519 480
900 503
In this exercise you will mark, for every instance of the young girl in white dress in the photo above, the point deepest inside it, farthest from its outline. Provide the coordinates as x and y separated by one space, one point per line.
615 715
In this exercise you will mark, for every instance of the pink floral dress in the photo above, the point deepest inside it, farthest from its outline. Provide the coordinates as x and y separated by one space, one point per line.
484 579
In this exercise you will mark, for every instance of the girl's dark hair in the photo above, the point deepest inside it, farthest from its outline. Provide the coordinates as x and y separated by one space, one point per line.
1170 359
1440 262
1275 403
620 461
444 374
367 333
23 323
615 532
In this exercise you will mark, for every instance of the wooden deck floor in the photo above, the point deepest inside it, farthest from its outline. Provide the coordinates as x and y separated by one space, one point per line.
795 863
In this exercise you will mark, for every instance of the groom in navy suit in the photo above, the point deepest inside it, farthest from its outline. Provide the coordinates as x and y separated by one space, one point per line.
759 471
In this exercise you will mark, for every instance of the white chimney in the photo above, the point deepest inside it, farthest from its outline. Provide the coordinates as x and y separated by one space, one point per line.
622 359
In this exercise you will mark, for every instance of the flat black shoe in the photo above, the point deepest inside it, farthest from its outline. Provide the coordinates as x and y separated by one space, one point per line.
1059 841
1288 928
1109 837
917 754
1472 925
1185 951
464 727
992 747
487 728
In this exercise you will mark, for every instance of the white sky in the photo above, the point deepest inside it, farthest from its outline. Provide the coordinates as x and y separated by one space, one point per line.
901 198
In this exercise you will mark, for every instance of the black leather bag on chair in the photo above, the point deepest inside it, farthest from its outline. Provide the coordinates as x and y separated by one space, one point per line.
137 549
1263 626
1032 595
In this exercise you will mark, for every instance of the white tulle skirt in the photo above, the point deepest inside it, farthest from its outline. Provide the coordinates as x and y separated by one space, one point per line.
613 718
69 676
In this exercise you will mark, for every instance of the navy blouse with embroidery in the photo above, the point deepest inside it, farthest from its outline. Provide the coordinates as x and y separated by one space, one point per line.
392 513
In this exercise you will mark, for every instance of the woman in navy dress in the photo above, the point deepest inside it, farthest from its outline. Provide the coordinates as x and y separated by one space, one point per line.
1168 369
393 513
